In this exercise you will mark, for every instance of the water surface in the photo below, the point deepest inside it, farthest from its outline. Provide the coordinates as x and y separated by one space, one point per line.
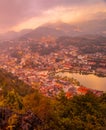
90 81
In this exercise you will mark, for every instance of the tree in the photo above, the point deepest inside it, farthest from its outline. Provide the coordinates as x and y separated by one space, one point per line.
13 100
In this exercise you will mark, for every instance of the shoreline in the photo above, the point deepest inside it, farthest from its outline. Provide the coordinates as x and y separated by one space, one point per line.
79 72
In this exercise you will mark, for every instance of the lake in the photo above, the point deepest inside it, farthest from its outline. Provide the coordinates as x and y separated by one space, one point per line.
90 81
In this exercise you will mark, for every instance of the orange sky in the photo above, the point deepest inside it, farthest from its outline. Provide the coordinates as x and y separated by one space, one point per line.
21 14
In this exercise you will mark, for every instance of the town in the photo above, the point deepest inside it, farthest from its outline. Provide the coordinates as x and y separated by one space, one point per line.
38 62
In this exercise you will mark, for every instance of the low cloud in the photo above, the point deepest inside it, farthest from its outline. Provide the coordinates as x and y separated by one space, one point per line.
14 12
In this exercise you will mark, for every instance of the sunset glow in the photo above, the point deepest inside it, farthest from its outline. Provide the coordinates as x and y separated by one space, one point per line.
21 14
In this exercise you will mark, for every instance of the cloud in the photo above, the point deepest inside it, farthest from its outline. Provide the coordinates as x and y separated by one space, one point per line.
14 12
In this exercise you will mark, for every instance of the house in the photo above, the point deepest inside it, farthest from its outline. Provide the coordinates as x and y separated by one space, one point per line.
82 90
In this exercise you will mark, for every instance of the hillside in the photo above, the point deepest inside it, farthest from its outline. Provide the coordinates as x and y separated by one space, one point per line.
22 108
38 112
14 35
59 29
8 82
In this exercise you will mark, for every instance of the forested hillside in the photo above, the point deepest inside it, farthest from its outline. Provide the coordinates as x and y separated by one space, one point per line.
21 109
8 82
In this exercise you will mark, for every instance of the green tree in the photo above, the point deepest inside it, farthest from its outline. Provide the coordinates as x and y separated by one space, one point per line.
13 100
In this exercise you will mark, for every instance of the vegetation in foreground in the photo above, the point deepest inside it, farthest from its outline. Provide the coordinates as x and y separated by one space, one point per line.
33 111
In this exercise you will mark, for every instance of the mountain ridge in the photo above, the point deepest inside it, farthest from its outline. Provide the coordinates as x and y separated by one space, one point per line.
58 29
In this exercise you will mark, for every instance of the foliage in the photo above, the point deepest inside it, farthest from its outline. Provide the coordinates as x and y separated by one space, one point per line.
29 111
9 82
83 112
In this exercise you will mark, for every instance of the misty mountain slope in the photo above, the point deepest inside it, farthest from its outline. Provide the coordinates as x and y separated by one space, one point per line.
44 32
64 29
53 30
14 35
91 27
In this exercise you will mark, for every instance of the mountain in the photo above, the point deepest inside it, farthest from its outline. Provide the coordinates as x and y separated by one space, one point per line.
58 29
92 27
14 35
44 32
95 27
52 30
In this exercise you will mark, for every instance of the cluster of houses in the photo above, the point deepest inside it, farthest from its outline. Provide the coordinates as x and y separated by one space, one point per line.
35 69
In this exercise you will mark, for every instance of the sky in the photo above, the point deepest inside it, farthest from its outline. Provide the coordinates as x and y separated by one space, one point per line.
23 14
